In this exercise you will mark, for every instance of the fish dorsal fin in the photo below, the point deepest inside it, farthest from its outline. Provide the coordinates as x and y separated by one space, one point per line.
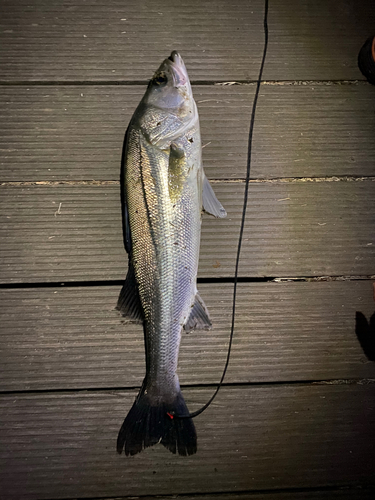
210 203
199 318
129 303
124 204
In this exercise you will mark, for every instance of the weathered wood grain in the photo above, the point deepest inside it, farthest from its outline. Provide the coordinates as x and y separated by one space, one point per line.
292 229
317 40
76 132
314 130
127 41
115 41
63 445
73 339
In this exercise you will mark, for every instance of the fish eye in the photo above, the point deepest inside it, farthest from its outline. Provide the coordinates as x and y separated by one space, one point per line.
161 79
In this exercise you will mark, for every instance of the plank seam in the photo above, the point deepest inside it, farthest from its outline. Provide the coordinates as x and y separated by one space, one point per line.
273 180
114 83
283 383
250 279
317 489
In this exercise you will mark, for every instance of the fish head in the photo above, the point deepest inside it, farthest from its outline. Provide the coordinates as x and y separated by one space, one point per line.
170 88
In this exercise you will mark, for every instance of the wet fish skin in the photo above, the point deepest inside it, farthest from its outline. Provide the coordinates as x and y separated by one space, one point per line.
164 188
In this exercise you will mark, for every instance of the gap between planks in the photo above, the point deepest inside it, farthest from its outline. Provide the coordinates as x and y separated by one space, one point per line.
115 83
299 383
275 180
264 279
237 495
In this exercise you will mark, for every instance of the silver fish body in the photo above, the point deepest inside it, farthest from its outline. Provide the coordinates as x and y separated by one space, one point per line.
164 189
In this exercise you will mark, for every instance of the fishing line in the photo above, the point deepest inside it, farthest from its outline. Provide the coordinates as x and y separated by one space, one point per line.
249 151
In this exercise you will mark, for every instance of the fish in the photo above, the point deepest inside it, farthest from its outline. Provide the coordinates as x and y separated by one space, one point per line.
163 192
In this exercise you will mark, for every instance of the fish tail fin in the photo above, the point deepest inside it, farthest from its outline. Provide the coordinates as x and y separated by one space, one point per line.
147 424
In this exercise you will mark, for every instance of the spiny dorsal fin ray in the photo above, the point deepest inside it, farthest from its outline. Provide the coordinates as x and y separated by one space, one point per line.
124 204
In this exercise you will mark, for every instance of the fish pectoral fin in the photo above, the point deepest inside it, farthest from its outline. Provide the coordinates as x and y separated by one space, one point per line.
199 318
210 203
176 175
129 302
176 151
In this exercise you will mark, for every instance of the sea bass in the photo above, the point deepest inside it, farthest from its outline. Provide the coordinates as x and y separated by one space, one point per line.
164 190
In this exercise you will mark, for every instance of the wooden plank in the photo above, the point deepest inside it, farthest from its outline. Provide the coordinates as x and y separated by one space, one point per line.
314 130
127 41
253 438
68 133
309 39
317 39
73 339
292 229
76 132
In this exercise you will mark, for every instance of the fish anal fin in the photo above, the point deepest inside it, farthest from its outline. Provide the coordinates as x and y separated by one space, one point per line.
199 318
129 303
210 203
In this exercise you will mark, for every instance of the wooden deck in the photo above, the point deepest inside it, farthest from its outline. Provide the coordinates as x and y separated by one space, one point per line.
296 417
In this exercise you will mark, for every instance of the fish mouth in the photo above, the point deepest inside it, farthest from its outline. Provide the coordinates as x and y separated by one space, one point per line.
175 56
177 64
